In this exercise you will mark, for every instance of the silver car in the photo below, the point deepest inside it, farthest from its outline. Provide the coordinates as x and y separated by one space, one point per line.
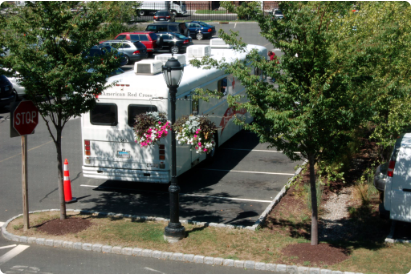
132 50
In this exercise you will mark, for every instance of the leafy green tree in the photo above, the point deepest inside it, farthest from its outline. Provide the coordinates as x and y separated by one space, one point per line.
48 44
377 36
312 109
121 12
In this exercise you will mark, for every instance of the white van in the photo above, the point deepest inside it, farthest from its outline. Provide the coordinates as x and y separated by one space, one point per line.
176 7
397 193
109 150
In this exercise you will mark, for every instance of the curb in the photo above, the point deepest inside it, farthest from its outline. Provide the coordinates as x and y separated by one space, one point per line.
157 254
172 256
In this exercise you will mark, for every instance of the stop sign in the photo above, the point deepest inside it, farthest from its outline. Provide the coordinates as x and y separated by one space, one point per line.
25 117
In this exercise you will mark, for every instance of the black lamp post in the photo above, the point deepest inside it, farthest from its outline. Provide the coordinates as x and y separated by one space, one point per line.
173 73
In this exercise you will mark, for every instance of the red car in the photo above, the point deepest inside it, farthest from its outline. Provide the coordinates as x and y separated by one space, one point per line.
149 39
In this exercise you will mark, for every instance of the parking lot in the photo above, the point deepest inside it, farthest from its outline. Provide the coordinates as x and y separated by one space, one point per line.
235 189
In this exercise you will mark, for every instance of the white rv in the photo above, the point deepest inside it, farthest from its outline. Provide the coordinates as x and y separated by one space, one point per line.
109 149
176 7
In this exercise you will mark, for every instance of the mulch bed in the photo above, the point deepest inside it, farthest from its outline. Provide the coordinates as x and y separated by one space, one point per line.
315 254
61 227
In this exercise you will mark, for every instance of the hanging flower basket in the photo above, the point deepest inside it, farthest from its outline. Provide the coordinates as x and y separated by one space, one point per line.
197 132
150 127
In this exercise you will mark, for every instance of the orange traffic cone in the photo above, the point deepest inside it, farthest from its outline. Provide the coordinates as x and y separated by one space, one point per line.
67 185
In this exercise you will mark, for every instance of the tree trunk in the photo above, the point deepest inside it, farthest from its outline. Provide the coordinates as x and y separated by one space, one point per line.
314 210
60 174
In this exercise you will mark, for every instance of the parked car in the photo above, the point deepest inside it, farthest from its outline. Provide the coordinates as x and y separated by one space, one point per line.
132 50
394 180
175 42
148 38
102 49
277 14
163 16
200 30
7 93
168 27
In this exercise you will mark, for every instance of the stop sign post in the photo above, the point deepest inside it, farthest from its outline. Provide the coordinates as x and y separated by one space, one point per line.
24 119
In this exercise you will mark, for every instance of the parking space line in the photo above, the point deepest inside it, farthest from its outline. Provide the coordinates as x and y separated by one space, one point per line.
89 186
7 246
256 150
12 253
225 198
189 195
28 150
251 172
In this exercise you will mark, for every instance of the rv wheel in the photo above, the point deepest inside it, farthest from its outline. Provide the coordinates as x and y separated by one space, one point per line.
141 12
199 36
174 13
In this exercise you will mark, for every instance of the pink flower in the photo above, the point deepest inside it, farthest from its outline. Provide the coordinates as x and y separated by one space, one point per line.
205 150
199 144
195 136
159 122
196 147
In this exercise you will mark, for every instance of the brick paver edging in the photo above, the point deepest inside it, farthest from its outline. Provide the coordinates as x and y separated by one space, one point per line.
173 256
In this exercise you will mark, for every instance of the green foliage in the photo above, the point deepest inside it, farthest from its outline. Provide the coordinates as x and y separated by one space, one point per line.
380 50
366 184
331 171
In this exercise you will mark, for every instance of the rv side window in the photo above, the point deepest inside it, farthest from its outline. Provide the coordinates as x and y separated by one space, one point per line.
222 86
134 110
104 114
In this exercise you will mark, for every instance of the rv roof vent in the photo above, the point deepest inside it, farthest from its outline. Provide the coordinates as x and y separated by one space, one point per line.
218 43
147 67
198 51
164 57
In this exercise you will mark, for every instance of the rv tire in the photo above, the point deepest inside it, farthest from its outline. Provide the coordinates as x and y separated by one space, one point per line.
141 12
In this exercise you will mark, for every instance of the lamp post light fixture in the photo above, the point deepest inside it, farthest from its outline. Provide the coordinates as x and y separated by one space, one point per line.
174 231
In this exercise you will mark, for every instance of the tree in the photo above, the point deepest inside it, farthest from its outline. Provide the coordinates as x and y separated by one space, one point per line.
377 35
48 45
121 11
314 108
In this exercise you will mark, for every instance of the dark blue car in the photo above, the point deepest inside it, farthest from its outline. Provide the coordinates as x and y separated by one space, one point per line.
200 30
